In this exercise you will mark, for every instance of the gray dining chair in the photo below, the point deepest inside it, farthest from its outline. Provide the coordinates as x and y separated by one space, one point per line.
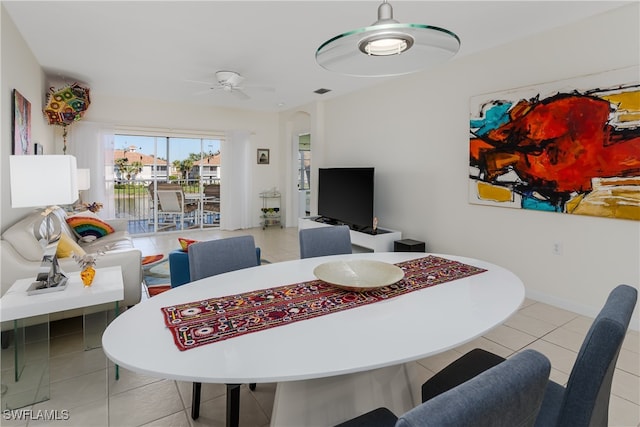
321 241
210 258
584 401
506 395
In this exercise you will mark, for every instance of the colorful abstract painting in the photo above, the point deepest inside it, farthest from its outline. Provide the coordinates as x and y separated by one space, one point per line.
21 126
570 146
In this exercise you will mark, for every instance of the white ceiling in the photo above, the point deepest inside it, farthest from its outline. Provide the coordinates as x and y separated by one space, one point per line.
148 49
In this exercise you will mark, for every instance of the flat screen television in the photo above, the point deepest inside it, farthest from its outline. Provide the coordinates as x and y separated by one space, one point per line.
345 196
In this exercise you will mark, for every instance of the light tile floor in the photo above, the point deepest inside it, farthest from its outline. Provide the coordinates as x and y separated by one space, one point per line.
83 383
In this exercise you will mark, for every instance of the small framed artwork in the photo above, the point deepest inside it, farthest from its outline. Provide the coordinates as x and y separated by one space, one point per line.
263 156
37 149
21 143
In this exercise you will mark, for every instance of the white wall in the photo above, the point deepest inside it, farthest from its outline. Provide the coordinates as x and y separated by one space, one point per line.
21 71
415 131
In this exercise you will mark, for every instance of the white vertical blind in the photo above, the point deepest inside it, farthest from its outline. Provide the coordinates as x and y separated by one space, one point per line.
106 147
92 145
235 188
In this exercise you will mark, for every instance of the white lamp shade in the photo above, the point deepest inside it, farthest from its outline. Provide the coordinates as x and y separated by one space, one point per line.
84 179
39 181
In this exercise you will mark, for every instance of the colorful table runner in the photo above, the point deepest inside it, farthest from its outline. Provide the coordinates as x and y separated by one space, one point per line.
204 322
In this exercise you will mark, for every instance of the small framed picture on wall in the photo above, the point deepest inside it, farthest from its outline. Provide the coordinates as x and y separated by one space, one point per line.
263 156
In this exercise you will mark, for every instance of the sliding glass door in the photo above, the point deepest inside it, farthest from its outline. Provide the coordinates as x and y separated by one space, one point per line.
167 183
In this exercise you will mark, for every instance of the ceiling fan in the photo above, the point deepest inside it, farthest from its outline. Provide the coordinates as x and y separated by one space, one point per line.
227 81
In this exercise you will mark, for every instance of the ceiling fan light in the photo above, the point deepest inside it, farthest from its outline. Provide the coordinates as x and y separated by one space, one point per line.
230 78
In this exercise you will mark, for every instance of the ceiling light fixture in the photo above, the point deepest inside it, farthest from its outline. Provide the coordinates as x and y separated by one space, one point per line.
387 48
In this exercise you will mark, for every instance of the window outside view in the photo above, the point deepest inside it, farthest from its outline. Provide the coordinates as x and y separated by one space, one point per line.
167 183
304 174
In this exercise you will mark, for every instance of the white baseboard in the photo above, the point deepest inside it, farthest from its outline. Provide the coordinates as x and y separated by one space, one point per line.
575 307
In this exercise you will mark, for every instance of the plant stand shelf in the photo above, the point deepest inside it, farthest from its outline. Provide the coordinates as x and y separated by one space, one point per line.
271 213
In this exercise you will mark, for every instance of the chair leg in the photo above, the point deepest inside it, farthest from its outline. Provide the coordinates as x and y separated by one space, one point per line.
195 401
5 339
233 405
252 386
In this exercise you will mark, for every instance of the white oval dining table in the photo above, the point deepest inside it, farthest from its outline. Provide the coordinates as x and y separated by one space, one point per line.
329 368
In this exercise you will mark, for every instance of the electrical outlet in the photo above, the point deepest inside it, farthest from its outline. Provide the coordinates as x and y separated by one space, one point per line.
556 248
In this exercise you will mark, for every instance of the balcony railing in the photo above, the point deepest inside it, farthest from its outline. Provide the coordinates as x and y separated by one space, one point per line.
132 201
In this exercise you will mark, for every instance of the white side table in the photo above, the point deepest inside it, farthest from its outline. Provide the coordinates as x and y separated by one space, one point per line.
30 314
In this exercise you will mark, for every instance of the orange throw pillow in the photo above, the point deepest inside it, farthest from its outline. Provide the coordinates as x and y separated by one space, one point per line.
185 243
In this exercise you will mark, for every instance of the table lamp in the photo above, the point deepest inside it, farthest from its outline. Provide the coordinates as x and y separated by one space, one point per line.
58 186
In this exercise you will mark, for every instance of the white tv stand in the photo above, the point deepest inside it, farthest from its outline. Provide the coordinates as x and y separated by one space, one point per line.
361 242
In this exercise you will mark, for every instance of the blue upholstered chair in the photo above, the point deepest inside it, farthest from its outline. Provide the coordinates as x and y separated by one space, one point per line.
179 268
466 367
321 241
584 401
507 395
210 258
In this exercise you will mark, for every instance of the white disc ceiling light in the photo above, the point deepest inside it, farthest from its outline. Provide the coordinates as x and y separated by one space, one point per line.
387 48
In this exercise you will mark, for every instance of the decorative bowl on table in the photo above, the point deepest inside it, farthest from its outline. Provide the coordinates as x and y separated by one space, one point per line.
358 274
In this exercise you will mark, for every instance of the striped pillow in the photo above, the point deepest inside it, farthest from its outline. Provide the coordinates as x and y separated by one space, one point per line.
89 225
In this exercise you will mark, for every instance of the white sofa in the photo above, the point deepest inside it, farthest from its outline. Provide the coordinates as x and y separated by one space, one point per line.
21 255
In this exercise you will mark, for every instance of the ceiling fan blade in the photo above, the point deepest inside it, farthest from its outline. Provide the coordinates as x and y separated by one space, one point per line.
262 88
204 92
201 82
240 94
